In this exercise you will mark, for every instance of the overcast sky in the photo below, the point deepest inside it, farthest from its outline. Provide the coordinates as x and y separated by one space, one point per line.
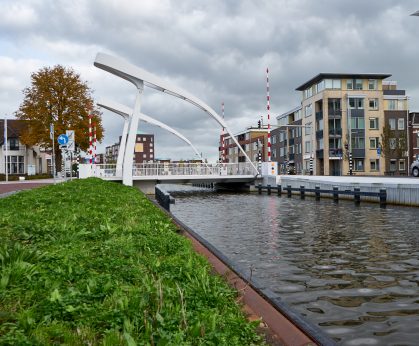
217 49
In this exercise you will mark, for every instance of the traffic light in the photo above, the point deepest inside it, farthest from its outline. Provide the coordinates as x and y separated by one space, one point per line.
259 124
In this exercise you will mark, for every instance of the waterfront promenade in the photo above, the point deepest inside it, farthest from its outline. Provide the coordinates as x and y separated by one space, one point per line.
402 191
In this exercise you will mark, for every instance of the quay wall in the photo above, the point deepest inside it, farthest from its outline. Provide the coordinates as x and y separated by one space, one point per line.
400 191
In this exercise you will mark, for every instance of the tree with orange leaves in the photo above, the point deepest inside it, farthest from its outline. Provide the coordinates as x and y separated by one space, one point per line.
58 96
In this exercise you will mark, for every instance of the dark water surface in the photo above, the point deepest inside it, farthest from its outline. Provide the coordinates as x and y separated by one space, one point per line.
353 271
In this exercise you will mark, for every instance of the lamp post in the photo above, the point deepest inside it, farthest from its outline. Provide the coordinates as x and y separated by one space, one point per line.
6 149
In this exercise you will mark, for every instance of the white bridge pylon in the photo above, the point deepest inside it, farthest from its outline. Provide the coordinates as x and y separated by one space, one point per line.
126 112
139 77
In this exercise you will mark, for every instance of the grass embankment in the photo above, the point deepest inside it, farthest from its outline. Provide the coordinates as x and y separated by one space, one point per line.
91 262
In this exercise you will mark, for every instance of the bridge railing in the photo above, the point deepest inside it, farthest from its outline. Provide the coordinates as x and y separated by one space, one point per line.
168 169
165 169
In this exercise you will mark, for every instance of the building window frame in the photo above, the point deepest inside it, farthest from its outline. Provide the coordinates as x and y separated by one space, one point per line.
402 165
374 123
400 124
359 165
372 84
392 123
374 142
374 165
373 104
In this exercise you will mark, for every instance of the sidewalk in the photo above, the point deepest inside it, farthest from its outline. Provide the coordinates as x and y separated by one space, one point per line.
10 187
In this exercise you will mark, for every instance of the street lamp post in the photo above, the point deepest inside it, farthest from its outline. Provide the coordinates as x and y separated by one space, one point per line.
6 149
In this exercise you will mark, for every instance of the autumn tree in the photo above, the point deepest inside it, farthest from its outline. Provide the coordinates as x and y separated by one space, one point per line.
58 96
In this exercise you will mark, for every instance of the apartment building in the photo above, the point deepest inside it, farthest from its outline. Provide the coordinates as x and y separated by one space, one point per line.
253 140
413 136
360 114
144 150
21 159
287 142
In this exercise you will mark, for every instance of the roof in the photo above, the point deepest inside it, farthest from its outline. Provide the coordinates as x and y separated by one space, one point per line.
295 109
323 75
14 128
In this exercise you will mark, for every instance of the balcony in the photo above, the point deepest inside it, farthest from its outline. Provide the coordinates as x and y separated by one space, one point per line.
319 134
335 152
15 147
291 157
319 115
335 114
358 153
335 132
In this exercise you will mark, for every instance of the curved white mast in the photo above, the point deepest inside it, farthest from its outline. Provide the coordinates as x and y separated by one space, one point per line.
126 112
139 77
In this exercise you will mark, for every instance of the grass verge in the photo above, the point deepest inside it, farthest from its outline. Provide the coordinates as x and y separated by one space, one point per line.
90 262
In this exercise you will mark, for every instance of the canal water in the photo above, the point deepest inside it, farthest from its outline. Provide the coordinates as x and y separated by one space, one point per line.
351 270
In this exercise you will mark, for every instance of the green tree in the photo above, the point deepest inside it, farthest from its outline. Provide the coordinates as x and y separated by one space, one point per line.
58 95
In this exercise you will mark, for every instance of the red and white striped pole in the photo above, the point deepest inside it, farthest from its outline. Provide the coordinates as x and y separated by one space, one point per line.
90 138
268 107
94 143
222 136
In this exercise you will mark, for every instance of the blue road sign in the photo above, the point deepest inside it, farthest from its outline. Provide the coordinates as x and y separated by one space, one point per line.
378 151
62 139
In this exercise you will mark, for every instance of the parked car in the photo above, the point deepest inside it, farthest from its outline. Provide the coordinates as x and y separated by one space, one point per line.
414 169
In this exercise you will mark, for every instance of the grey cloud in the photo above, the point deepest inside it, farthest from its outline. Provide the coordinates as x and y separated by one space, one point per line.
218 50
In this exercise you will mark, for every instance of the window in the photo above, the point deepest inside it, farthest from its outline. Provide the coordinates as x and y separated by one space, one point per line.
281 151
392 123
357 123
402 165
13 144
332 84
392 143
356 103
151 150
358 84
16 164
308 110
374 165
393 166
372 84
333 105
392 105
374 142
308 93
144 139
273 139
373 104
349 84
320 86
373 123
151 145
417 141
358 164
400 124
307 129
320 144
307 147
144 156
358 143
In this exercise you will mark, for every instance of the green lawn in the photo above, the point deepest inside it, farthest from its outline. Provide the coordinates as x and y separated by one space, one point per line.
90 262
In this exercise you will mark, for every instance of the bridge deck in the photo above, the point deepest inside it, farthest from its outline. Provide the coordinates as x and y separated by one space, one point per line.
178 179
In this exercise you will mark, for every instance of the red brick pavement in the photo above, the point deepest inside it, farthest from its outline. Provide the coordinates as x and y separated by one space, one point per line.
17 186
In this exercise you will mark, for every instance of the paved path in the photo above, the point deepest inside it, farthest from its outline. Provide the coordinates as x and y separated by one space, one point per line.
11 187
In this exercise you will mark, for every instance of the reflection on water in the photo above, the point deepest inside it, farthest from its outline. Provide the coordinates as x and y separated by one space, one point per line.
354 271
